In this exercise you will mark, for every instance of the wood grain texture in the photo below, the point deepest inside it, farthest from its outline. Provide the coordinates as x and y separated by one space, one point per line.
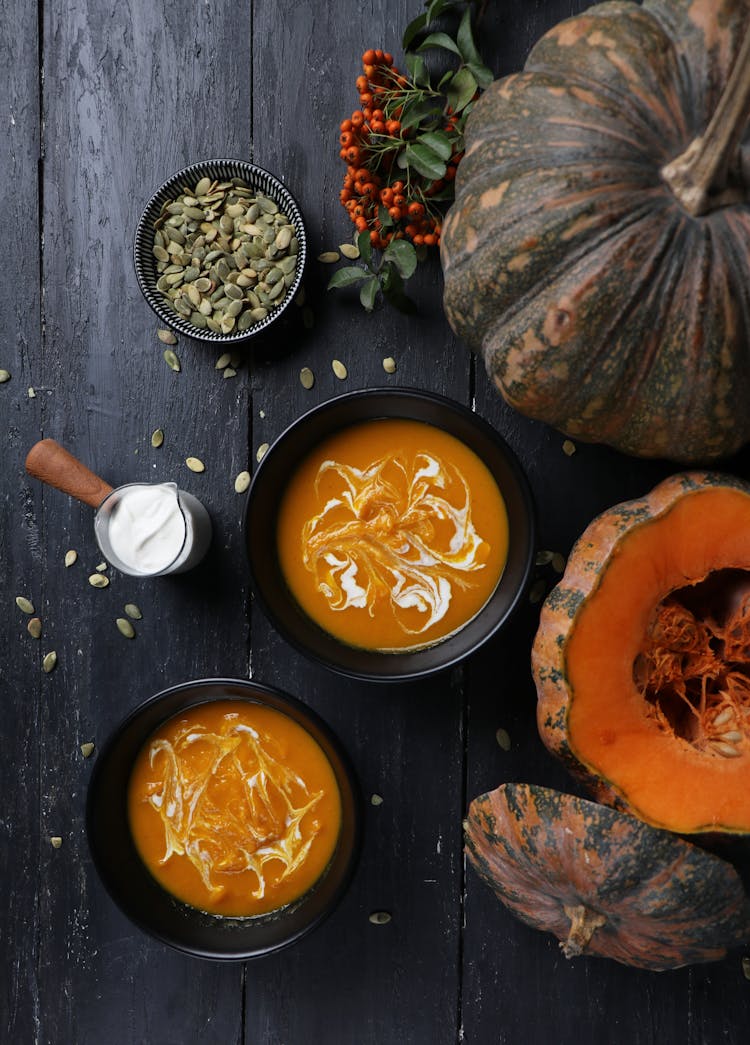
131 94
22 840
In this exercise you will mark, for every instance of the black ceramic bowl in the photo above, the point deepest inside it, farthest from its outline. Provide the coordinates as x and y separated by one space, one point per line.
145 263
266 492
141 897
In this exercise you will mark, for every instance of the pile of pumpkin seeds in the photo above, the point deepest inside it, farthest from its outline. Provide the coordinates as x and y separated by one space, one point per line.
226 255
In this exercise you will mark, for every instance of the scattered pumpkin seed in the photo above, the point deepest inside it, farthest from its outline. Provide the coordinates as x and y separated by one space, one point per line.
87 749
376 800
349 250
4 376
389 365
125 628
306 377
71 557
543 558
380 918
536 594
166 337
98 580
32 393
223 361
101 567
746 968
195 464
558 562
308 318
157 438
242 482
55 841
172 360
339 369
329 257
502 736
133 611
569 447
25 605
260 453
230 372
50 662
34 628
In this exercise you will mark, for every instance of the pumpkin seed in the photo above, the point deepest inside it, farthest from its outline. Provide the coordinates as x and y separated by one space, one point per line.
349 250
171 360
50 662
87 749
98 580
380 918
329 257
746 968
261 452
25 605
543 558
569 447
242 482
203 186
339 369
195 464
558 563
55 841
376 800
166 336
125 628
722 748
538 589
306 377
31 393
101 567
71 557
157 438
503 739
133 611
389 365
4 376
223 361
34 628
230 372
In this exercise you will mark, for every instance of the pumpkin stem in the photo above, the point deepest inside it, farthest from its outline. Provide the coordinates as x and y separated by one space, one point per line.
699 177
583 924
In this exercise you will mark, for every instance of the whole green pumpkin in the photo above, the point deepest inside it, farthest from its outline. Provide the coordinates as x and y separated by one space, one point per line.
598 250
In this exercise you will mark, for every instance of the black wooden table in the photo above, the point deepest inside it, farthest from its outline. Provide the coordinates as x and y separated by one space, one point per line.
100 103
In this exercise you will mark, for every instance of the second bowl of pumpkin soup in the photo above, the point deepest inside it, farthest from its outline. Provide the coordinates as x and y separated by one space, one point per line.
390 533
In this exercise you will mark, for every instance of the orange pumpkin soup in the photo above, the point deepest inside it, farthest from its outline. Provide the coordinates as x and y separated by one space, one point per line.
234 808
392 535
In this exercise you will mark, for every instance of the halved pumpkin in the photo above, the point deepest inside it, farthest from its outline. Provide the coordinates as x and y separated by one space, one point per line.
603 882
642 657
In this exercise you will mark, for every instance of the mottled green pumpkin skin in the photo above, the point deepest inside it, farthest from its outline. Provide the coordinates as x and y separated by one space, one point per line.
600 304
662 902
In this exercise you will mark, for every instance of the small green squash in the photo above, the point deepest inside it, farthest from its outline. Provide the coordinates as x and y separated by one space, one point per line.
598 250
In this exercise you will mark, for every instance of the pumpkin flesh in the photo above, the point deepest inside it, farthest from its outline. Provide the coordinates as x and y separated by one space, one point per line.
603 882
661 726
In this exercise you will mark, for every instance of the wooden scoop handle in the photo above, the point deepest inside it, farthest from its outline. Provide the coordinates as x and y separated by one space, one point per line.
51 463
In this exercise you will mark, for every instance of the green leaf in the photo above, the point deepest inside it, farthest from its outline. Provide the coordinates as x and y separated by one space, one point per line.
365 247
439 142
461 89
436 7
413 29
346 276
403 255
368 292
416 68
418 112
384 217
425 161
481 74
441 40
390 279
465 39
401 301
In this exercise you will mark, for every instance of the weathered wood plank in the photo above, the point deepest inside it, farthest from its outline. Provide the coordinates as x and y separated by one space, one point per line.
22 841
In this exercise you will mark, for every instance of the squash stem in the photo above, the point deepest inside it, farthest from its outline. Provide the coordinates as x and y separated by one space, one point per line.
583 924
699 176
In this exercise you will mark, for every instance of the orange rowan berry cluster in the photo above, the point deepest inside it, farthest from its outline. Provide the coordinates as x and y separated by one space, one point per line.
390 201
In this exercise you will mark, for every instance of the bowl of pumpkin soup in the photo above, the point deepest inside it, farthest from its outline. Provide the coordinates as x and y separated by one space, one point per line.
223 818
390 533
